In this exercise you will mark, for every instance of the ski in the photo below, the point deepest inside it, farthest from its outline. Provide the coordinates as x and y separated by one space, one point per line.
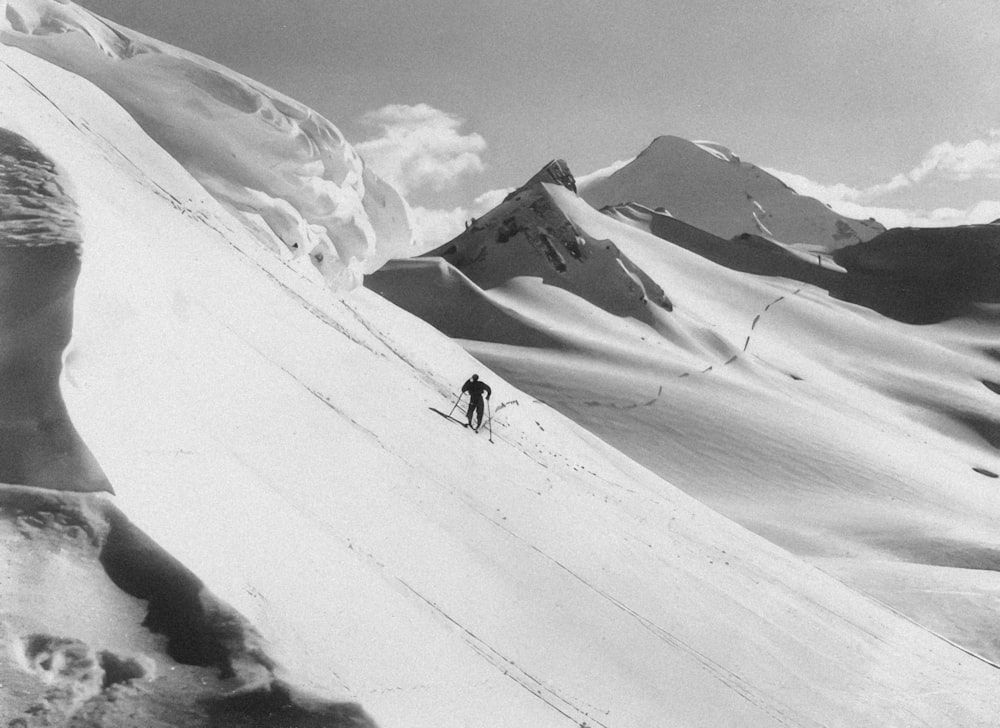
457 421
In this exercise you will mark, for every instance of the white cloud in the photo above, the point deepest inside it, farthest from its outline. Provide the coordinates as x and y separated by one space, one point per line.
585 180
850 201
978 159
434 227
982 212
420 147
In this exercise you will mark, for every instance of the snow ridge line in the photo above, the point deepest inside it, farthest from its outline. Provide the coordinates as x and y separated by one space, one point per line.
727 677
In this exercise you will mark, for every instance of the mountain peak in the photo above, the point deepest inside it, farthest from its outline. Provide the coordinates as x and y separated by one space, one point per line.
529 236
668 145
706 185
555 171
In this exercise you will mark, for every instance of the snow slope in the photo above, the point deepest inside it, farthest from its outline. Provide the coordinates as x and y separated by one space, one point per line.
286 171
279 442
706 185
865 445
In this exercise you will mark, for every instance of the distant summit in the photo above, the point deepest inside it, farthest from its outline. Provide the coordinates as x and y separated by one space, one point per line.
706 185
528 235
527 240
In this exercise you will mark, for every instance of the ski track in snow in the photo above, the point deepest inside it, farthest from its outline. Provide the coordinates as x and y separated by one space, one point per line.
727 677
510 668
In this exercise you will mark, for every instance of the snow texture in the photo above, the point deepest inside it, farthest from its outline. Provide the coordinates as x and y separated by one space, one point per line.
285 169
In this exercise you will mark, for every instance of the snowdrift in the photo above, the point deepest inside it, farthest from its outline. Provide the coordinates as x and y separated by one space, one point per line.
708 186
278 445
286 171
863 444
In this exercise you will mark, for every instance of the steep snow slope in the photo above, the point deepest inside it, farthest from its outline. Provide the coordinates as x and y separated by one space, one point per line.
280 443
863 444
282 167
708 186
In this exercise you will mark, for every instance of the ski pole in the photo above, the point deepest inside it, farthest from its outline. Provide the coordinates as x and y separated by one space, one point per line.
490 420
460 395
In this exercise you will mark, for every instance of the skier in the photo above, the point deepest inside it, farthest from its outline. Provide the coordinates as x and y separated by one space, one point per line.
475 388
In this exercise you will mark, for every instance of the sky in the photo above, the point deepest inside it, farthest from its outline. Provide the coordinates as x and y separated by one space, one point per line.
888 109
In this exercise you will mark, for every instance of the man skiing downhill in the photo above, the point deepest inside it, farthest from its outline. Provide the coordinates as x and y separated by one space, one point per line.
475 388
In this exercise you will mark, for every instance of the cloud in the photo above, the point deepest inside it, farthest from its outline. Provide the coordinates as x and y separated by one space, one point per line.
584 181
851 201
978 159
434 227
420 147
982 212
975 160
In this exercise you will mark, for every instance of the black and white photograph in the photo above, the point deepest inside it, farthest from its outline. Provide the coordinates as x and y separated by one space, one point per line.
508 364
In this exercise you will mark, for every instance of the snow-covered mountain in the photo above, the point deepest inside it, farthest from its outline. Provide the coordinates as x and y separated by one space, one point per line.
864 444
299 537
706 185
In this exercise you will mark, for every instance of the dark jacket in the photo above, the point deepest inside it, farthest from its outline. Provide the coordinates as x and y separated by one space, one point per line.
476 387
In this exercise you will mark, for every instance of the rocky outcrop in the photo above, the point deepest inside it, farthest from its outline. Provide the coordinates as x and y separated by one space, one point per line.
527 235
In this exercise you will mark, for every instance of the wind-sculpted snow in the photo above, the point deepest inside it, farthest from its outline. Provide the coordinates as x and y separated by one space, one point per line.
706 185
39 263
129 636
289 172
35 210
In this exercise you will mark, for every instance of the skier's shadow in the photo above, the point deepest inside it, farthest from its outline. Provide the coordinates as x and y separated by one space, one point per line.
448 416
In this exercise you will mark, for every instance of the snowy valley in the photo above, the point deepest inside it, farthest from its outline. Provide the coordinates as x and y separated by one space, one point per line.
719 487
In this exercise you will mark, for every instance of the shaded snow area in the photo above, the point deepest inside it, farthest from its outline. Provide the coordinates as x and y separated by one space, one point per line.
706 185
39 264
285 170
298 539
